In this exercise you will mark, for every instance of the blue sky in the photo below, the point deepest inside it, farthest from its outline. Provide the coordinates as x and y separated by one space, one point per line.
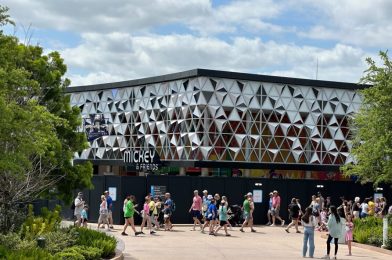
105 41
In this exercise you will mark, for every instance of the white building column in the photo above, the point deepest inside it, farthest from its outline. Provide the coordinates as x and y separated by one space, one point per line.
246 173
182 171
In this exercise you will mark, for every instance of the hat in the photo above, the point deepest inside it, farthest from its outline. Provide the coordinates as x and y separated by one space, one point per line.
195 191
209 197
106 192
270 193
205 191
249 194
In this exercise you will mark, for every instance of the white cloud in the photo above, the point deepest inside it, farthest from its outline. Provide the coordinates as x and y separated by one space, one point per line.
116 57
361 23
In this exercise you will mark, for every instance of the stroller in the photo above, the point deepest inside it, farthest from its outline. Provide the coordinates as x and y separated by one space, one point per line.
235 215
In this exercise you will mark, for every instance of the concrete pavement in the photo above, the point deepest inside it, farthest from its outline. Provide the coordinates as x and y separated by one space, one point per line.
268 243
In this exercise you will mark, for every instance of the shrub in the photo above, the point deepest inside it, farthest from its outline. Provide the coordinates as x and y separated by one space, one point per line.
30 254
69 255
34 226
58 240
10 240
89 253
92 238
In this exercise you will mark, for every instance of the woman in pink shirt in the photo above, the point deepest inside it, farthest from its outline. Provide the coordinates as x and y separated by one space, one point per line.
146 216
195 209
275 208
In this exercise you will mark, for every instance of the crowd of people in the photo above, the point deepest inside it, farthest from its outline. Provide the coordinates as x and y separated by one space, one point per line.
213 213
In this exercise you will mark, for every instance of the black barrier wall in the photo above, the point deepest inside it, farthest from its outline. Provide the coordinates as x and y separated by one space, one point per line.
182 187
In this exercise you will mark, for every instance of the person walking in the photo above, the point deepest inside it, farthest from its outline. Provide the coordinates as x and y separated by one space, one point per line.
195 209
383 207
212 214
79 205
364 208
209 215
356 207
275 208
224 198
349 233
206 203
269 212
309 222
109 202
169 211
146 216
222 218
153 213
84 216
103 213
294 215
129 211
334 228
248 208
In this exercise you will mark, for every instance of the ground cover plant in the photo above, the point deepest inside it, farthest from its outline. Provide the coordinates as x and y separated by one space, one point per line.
60 242
369 231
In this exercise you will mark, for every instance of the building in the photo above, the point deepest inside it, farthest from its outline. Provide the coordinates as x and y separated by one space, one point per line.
207 122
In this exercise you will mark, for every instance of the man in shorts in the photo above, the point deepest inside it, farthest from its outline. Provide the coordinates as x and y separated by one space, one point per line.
248 208
109 202
195 209
168 211
275 208
269 213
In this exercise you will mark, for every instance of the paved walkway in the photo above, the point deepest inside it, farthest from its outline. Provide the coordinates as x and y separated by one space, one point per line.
268 243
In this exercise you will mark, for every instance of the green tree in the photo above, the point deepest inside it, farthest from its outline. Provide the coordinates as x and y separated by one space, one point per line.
38 136
372 126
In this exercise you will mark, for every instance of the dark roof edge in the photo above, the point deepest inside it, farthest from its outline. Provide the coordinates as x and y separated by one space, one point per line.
218 74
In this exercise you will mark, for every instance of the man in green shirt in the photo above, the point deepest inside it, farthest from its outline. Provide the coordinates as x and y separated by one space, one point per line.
129 211
248 208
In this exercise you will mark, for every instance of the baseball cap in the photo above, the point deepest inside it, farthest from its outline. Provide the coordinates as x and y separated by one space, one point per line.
209 197
195 191
249 194
106 192
205 191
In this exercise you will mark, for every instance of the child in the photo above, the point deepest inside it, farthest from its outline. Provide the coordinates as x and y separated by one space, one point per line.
222 218
349 232
146 216
324 220
84 216
166 216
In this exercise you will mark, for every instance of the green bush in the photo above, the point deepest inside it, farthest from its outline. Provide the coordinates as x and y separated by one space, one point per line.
30 254
13 241
89 253
69 255
37 225
92 238
56 241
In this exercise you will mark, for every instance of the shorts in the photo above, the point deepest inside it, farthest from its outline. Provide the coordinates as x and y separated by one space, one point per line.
78 216
275 212
222 223
110 214
195 213
247 215
103 218
128 217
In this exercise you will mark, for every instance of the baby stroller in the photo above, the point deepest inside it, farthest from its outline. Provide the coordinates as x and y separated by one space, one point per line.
235 215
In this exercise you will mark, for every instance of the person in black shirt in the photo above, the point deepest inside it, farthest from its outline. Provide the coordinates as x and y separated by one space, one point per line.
294 215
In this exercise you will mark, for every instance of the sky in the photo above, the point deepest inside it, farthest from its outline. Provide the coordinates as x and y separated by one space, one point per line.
105 41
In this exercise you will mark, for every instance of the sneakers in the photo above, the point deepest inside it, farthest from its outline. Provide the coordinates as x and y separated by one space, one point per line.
242 230
124 234
111 227
272 225
253 230
228 235
282 223
138 233
269 223
286 230
152 232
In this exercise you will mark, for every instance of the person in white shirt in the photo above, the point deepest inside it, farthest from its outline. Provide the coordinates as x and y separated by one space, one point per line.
309 222
79 205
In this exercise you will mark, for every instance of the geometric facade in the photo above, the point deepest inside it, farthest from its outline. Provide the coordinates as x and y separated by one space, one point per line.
210 116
